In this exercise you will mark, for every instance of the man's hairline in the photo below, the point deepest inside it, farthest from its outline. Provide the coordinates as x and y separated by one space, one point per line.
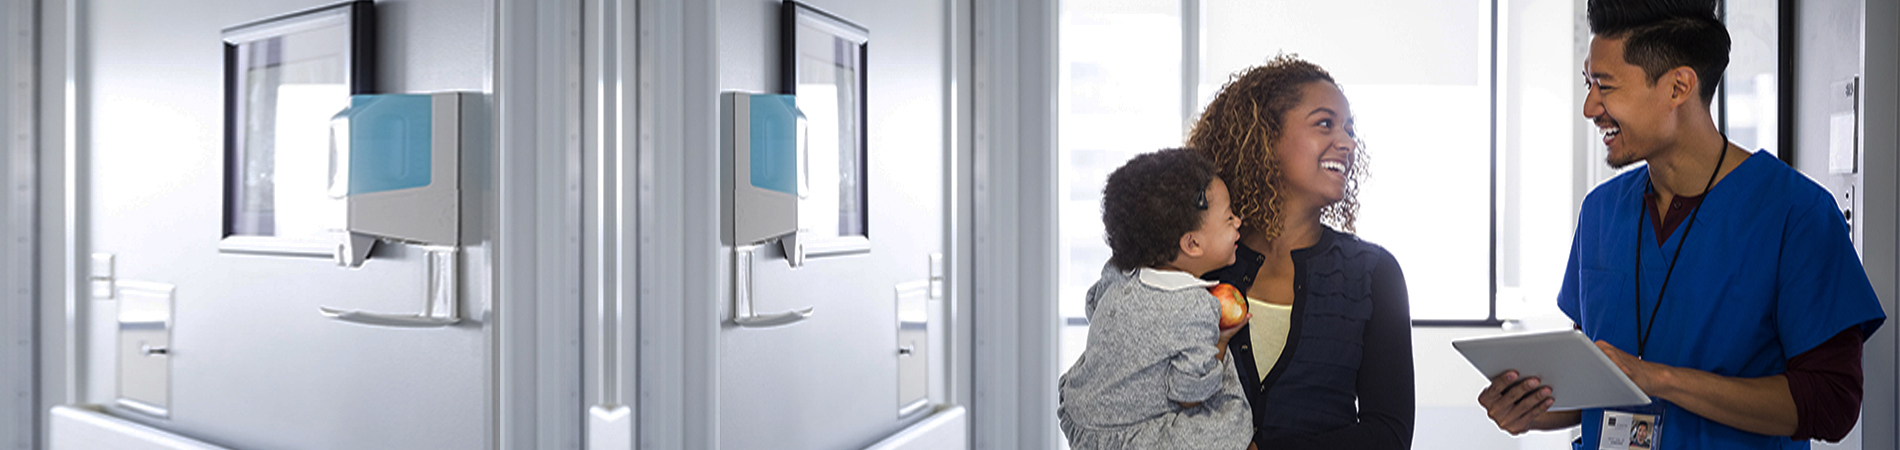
1648 81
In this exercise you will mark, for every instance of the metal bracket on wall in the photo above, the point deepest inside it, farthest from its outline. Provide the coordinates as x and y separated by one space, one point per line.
440 310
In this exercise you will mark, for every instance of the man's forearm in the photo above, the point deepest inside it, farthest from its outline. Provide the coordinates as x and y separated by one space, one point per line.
1757 405
1557 420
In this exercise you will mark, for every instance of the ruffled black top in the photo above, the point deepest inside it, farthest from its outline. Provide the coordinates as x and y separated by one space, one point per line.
1344 379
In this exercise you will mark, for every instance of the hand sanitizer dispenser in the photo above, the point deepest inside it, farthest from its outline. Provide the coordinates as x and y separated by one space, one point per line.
766 137
395 160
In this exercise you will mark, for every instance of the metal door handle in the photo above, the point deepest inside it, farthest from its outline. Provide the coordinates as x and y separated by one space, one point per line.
772 320
742 312
149 350
387 320
440 310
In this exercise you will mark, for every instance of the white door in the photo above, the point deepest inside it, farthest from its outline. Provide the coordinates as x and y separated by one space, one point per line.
832 381
250 362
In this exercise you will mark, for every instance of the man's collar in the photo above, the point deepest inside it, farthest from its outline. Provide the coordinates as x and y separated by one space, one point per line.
1170 280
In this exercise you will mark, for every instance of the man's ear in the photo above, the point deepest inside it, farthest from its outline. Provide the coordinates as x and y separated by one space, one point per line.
1684 86
1191 245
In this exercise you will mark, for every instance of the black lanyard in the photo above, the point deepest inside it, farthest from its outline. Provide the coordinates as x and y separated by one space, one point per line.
1642 333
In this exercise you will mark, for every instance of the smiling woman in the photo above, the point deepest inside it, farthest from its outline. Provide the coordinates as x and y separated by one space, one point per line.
1333 368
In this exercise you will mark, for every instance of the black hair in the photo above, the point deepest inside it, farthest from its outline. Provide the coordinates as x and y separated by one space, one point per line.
1661 35
1150 202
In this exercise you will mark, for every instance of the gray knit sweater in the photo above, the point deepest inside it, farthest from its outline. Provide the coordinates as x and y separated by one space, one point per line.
1151 348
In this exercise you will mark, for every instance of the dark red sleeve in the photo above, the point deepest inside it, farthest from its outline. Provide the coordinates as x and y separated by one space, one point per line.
1826 383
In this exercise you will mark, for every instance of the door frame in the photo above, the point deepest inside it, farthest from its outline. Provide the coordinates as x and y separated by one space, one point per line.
1014 229
677 197
59 170
1880 118
536 368
18 226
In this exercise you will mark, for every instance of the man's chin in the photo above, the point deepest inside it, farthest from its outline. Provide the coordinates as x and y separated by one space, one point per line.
1618 161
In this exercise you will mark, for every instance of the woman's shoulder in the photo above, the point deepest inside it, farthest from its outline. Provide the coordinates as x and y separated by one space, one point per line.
1354 247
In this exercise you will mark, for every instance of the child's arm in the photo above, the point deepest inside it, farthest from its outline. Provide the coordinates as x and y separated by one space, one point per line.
1189 323
1220 350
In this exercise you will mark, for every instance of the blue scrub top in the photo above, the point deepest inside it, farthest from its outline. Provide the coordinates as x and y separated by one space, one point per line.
1768 273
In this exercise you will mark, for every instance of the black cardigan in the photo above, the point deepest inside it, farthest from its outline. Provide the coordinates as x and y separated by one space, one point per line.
1345 377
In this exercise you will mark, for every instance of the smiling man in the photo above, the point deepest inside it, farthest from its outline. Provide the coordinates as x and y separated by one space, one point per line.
1719 280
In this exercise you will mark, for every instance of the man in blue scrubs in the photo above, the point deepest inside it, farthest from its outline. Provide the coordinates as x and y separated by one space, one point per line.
1721 281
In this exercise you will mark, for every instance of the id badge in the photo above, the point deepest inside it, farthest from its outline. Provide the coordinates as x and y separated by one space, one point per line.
1632 427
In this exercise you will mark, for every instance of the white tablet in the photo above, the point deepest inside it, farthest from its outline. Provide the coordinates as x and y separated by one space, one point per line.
1578 373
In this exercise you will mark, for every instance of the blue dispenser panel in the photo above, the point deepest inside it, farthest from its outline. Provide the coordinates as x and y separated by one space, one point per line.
775 143
389 142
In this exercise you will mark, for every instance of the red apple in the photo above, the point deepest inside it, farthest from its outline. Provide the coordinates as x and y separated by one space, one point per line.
1233 305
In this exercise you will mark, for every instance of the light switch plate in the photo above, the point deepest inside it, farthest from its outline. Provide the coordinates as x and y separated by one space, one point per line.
101 276
936 275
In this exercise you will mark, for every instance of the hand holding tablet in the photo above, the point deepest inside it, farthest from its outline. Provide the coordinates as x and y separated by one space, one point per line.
1577 372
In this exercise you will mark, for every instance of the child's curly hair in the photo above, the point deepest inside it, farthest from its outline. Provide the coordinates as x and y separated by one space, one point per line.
1150 202
1237 132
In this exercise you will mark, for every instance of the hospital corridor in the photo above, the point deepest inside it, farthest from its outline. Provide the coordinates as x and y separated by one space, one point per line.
949 224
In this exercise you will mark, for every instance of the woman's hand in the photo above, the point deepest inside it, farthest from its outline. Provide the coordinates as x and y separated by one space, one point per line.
1220 343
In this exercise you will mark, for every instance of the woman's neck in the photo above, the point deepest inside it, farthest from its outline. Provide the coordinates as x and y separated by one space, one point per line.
1302 230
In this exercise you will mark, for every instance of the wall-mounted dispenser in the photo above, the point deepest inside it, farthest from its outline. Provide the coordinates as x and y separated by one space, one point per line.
395 160
765 134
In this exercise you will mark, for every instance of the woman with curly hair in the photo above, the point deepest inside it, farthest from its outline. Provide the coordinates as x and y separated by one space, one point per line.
1326 359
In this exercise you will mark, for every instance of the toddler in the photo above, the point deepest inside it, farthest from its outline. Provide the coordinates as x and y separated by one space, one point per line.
1155 373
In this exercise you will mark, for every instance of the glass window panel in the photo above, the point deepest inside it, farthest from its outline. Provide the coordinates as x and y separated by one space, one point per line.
294 84
1120 96
1418 77
1541 130
828 90
1749 84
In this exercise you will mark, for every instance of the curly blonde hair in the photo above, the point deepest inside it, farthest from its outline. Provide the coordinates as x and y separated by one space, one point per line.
1237 132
